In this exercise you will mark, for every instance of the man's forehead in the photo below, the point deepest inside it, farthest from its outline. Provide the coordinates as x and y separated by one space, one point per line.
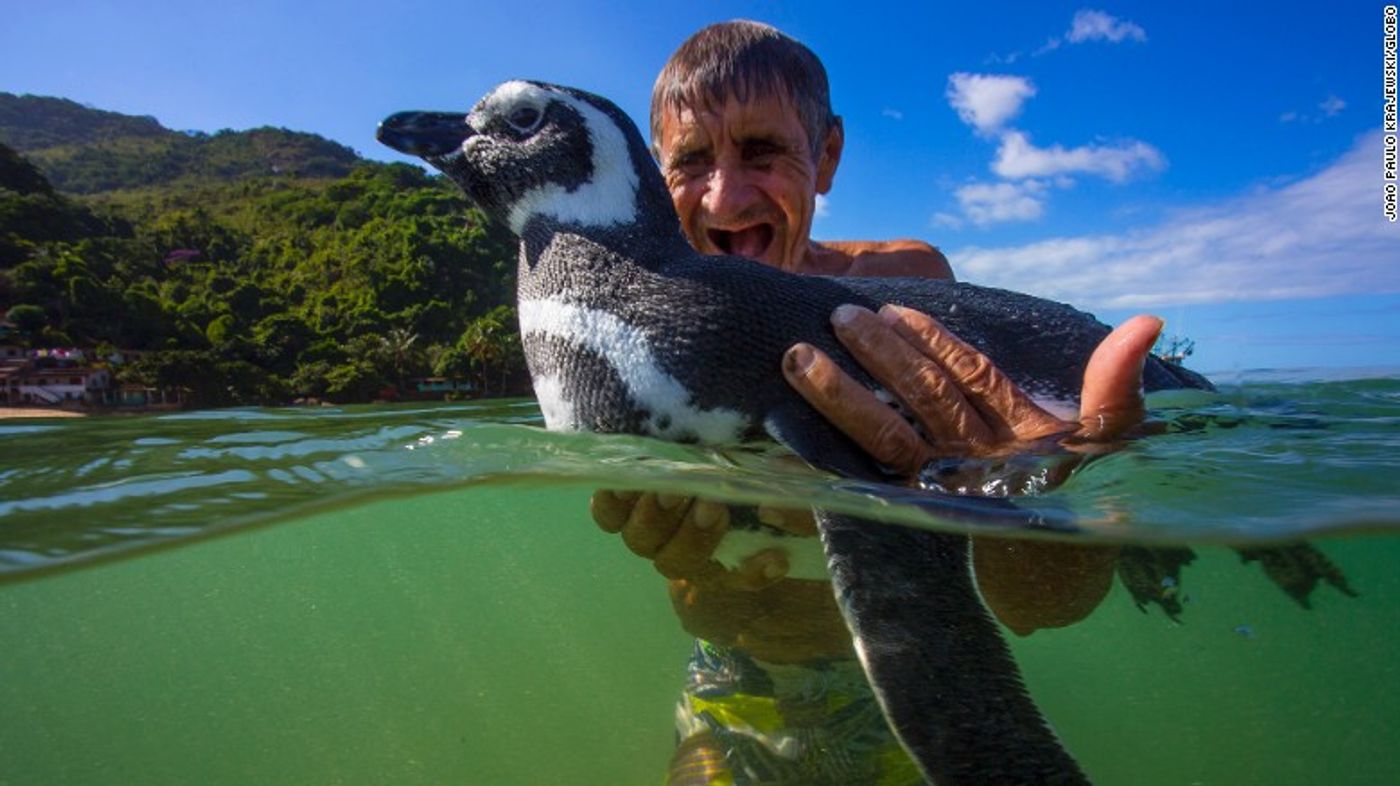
771 113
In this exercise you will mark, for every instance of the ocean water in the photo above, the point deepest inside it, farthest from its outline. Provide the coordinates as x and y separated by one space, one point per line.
416 594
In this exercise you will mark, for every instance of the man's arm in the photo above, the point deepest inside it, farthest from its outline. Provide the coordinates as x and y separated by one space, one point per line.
880 259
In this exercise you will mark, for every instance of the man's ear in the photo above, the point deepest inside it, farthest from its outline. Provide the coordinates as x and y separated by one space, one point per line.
830 156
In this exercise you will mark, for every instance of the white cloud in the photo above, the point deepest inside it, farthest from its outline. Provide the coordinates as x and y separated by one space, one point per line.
1331 106
987 101
1321 236
1018 158
893 114
1091 25
996 59
821 209
994 203
947 221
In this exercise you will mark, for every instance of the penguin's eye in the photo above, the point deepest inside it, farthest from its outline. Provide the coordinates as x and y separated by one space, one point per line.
524 118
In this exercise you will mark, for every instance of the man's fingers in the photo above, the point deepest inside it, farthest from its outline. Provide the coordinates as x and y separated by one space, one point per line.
1112 397
653 521
690 551
922 384
878 429
679 535
1002 404
760 570
797 521
610 509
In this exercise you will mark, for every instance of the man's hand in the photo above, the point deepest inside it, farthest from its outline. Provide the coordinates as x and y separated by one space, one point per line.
964 403
753 607
679 535
970 408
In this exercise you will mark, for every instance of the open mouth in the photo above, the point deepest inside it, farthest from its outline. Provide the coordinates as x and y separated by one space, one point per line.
751 242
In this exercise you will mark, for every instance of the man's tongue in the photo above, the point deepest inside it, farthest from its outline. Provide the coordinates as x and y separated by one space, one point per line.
751 242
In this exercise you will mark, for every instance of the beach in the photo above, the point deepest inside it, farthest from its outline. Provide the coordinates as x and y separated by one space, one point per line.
39 412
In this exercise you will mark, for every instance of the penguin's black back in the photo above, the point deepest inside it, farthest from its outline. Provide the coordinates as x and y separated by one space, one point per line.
720 327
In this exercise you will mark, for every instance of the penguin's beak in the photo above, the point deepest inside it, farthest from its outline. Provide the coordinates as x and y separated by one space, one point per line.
425 133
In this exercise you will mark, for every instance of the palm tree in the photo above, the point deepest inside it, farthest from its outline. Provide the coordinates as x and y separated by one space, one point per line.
396 346
491 342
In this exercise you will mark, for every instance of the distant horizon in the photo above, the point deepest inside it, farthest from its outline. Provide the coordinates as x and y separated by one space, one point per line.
1298 374
1220 168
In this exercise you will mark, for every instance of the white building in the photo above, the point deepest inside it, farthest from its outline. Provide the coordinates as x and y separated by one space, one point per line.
24 384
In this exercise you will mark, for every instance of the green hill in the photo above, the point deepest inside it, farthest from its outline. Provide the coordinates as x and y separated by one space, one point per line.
29 123
86 151
253 266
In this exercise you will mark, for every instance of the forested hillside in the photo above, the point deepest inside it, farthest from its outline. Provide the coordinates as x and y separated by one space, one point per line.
261 266
89 151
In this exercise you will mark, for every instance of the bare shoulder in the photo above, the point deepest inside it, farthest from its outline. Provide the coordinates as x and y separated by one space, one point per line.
888 258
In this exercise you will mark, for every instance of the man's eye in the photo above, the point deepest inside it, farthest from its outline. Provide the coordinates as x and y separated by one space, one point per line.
691 163
524 118
760 152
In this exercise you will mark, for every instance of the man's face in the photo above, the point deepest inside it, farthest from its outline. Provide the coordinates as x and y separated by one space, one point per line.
743 179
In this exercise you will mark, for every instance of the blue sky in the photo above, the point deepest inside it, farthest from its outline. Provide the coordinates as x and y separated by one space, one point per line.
1218 164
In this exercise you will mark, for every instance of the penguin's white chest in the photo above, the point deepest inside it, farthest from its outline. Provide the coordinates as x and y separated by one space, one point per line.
670 409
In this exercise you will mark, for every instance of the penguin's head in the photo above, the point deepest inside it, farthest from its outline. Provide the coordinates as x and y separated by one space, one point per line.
531 151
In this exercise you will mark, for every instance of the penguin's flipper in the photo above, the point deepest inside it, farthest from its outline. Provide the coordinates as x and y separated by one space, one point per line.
935 659
801 429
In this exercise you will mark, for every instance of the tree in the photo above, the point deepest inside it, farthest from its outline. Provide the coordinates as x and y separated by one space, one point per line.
492 345
396 346
28 319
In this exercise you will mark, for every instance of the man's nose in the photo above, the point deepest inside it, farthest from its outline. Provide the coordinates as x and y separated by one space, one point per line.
728 191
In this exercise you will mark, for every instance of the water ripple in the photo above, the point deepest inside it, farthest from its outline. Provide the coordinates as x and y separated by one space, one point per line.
1257 462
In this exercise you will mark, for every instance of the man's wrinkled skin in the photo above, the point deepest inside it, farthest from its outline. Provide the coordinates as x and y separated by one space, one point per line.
962 401
744 180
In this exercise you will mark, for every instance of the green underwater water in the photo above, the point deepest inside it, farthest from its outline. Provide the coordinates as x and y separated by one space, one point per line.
417 595
483 636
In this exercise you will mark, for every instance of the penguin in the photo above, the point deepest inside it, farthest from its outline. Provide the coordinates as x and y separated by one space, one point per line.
627 329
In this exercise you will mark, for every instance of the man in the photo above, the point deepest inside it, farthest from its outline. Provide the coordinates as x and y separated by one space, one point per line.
743 130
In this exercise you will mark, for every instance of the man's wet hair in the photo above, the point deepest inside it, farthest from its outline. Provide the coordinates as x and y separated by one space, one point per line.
744 60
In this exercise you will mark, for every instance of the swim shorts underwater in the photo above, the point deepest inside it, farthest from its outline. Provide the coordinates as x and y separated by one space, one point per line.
814 724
